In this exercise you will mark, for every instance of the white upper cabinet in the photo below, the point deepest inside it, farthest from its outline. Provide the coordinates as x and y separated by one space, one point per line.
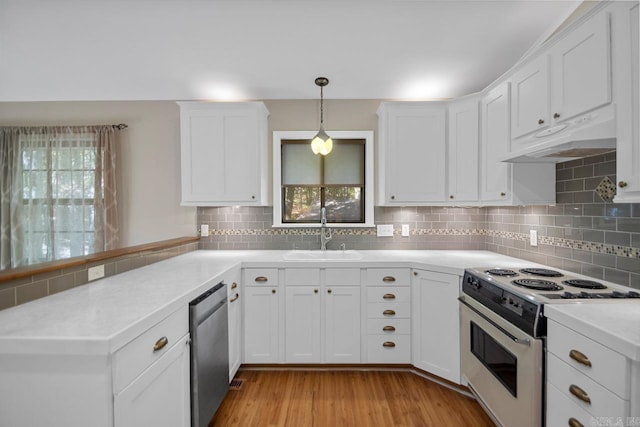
495 176
412 153
627 90
463 151
530 97
581 70
570 78
505 183
224 154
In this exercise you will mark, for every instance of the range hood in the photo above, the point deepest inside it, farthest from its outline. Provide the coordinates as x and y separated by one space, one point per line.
587 135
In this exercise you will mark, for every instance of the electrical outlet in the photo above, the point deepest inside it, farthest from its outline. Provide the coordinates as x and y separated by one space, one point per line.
533 237
405 230
96 272
385 230
204 230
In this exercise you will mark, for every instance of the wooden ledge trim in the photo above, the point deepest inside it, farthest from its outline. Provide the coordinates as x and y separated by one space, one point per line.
18 273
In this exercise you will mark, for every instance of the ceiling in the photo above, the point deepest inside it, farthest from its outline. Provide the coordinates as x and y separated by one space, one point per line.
54 50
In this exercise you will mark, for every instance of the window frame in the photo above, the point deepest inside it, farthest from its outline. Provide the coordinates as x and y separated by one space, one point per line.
366 135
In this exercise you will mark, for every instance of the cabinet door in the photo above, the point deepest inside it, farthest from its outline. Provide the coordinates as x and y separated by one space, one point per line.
222 153
436 324
581 69
342 324
530 97
628 143
495 176
235 328
302 324
261 332
160 395
463 151
415 152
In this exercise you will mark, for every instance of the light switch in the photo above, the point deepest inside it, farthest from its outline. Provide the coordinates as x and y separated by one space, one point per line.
533 237
204 230
405 230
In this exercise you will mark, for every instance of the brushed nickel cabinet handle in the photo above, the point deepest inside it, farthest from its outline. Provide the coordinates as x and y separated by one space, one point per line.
502 194
389 313
556 115
253 197
315 291
540 122
389 344
234 285
415 273
580 358
160 344
329 291
393 197
388 279
273 291
261 279
389 296
235 297
575 423
579 393
389 329
451 196
622 184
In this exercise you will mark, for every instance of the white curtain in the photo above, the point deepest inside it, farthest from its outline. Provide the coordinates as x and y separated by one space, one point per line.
58 193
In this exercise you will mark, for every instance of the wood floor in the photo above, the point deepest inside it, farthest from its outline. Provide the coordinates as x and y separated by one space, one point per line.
345 398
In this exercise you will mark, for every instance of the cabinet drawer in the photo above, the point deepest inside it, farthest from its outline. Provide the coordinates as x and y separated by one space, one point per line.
388 276
389 294
302 276
388 310
560 409
386 349
394 326
132 359
609 368
260 276
602 401
342 276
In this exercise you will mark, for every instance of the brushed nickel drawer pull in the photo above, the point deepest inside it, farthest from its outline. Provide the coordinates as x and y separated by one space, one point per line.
580 358
261 279
388 279
579 393
235 297
160 344
556 115
273 291
389 313
389 296
540 122
329 291
389 329
622 184
575 423
389 344
234 285
315 291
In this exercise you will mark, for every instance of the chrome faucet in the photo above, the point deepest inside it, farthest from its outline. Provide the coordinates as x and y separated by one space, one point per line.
324 237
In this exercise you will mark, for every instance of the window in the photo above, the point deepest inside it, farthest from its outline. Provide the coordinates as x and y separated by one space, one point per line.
341 182
57 193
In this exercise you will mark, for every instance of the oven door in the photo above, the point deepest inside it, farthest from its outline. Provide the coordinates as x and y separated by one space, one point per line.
502 365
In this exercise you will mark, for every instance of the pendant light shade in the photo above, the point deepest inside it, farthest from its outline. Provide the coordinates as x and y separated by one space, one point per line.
321 143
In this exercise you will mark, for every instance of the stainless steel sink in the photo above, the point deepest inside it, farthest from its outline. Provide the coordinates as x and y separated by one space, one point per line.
318 255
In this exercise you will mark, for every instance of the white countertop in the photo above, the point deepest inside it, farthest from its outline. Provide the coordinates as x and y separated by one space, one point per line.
612 323
101 317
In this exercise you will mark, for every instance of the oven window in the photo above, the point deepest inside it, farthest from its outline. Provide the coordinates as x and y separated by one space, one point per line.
502 364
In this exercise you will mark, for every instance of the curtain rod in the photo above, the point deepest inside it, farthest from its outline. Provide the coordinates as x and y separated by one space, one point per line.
120 126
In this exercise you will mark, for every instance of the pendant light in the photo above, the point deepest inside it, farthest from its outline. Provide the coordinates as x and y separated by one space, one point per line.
321 143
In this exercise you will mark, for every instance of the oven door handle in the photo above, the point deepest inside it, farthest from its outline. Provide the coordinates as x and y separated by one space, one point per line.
523 341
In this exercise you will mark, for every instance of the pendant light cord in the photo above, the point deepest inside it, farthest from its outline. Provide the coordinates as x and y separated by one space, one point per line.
321 107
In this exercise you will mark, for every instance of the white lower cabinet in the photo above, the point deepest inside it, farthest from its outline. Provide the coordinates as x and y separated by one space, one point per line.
160 395
235 322
322 318
436 323
261 325
587 381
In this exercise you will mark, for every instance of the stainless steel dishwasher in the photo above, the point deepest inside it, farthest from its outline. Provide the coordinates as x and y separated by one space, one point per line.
209 353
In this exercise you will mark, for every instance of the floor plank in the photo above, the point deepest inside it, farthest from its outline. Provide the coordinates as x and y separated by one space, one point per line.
345 398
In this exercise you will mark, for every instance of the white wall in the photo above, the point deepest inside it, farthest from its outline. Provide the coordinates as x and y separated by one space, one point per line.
148 160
